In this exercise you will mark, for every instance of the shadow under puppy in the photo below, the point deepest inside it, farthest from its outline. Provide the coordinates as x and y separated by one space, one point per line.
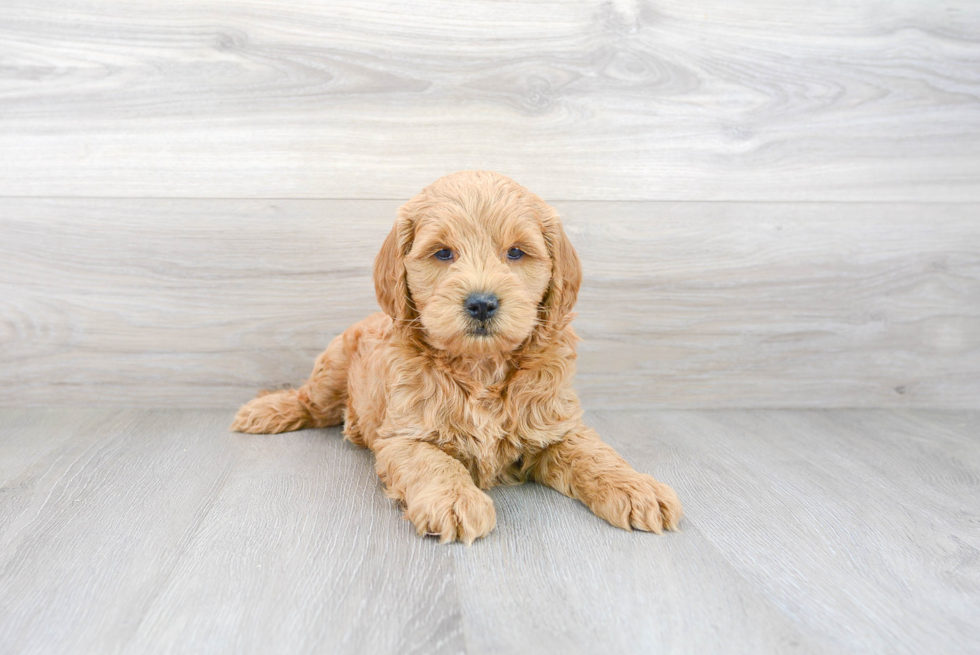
465 380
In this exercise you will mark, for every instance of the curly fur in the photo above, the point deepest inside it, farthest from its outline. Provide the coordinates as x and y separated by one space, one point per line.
449 411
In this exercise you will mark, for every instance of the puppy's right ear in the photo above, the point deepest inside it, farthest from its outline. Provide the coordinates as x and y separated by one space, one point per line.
390 280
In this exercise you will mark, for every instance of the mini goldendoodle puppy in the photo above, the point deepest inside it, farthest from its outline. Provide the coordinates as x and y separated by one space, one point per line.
465 380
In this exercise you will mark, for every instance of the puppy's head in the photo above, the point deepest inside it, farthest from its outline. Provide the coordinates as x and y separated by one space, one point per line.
478 263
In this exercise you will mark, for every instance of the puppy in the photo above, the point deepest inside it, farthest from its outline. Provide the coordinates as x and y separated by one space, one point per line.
465 380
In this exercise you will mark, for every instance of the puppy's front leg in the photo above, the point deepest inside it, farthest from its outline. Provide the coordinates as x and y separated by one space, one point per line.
438 492
582 466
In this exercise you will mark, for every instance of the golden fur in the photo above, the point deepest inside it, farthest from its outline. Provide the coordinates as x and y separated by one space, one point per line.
448 409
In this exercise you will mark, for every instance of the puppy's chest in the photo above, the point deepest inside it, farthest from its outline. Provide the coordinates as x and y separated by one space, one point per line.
483 436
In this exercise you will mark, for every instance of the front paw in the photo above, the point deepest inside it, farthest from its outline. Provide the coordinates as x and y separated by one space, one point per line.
464 515
637 501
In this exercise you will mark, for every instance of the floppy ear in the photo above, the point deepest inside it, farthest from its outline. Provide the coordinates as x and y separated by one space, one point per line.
566 271
390 280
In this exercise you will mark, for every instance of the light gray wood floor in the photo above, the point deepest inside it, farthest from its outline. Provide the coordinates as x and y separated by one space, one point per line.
141 531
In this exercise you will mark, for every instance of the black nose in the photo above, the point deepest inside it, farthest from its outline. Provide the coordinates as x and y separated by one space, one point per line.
481 306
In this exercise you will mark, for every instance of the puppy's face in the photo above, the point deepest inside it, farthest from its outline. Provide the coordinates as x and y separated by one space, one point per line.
477 280
478 261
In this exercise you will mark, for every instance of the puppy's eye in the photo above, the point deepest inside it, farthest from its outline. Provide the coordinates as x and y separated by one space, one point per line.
515 253
444 254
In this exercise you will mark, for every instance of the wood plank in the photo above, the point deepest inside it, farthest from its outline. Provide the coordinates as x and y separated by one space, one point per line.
578 100
31 436
806 532
89 536
199 303
309 556
162 532
859 525
553 578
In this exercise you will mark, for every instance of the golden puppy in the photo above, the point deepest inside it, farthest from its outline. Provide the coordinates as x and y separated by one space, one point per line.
465 381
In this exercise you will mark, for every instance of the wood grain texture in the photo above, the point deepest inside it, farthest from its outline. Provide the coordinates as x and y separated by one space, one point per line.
807 532
117 543
314 559
859 524
703 100
562 581
199 303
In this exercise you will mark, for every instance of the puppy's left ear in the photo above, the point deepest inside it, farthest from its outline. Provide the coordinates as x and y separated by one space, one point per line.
566 270
390 279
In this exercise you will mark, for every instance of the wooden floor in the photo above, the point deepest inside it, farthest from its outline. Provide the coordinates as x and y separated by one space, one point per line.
138 531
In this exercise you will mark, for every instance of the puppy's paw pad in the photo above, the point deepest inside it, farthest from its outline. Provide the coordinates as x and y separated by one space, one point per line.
465 515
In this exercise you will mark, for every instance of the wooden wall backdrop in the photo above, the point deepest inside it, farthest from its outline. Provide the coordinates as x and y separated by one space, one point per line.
777 204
